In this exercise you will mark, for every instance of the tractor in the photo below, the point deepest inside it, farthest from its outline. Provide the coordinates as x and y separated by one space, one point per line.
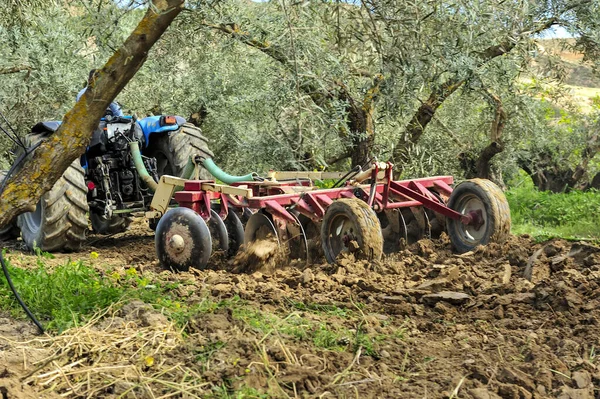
104 182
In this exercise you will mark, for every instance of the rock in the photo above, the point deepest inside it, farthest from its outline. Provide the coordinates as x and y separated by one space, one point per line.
393 299
307 276
506 274
517 377
384 354
482 393
572 393
220 289
433 285
455 298
581 379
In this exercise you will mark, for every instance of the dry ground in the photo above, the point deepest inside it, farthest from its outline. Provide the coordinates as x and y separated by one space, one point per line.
518 320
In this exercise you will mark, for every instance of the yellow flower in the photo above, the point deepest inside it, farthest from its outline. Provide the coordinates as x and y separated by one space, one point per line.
131 272
149 360
94 255
115 275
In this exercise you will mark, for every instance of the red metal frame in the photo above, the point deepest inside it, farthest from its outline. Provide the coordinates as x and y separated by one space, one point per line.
271 197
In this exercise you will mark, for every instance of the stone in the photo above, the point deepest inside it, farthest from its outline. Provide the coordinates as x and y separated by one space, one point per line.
581 379
455 298
482 393
307 276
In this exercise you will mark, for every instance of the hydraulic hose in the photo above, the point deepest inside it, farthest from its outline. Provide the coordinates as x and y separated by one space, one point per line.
140 167
226 178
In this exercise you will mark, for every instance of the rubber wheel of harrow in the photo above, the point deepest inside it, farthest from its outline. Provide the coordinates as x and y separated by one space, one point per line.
350 225
182 240
478 195
218 233
10 231
235 232
173 151
116 224
59 221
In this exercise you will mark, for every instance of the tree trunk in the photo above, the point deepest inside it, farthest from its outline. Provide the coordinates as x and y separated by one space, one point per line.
40 171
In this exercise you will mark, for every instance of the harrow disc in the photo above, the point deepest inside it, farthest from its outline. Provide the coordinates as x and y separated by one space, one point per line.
437 221
218 233
235 233
182 240
260 227
296 239
351 226
414 224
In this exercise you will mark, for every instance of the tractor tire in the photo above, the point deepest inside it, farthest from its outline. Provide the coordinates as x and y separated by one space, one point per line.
114 225
10 231
478 195
59 221
350 225
173 151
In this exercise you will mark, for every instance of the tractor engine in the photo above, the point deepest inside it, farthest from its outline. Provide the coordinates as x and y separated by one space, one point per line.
112 180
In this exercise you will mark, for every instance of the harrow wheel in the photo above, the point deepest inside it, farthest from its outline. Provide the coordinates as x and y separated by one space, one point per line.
485 201
182 240
350 225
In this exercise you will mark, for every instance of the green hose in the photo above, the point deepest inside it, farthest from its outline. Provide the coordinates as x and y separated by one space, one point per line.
140 167
218 173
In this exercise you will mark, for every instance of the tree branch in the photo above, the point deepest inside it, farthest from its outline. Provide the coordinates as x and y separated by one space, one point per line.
15 69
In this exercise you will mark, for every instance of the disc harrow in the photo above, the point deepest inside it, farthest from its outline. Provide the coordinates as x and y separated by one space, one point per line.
368 214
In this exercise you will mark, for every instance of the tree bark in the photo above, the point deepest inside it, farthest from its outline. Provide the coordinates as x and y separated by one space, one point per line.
41 170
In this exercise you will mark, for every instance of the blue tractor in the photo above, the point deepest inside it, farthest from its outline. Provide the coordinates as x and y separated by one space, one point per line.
104 182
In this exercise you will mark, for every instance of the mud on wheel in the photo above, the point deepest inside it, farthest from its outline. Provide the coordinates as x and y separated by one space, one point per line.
183 240
486 200
173 151
59 221
10 231
350 225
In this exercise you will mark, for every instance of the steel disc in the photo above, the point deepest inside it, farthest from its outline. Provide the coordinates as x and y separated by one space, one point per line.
218 233
235 232
260 227
437 221
182 240
391 221
296 240
416 224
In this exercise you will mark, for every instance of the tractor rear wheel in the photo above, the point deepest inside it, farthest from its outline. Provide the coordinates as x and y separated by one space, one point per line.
59 221
485 200
350 225
173 151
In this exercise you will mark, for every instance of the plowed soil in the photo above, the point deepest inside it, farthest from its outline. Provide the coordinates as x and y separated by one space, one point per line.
517 320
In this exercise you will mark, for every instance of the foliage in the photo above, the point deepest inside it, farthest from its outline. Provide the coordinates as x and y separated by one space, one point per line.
544 215
259 114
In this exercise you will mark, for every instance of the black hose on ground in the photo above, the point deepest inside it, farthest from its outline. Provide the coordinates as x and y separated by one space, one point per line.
4 267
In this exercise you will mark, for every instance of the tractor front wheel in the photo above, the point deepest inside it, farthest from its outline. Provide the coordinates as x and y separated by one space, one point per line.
173 151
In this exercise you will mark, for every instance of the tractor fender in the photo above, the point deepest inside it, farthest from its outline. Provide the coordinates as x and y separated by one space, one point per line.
46 128
152 125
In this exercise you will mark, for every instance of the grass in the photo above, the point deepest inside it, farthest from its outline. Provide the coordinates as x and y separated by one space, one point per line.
544 215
